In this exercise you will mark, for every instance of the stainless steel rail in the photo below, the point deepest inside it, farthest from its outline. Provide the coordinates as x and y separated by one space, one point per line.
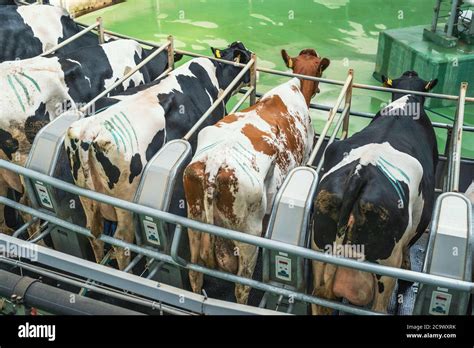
215 230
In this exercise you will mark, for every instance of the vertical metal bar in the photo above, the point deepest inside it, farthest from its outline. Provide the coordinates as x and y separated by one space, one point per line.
447 153
171 52
345 125
452 17
101 30
175 246
332 115
253 80
242 100
434 23
457 138
337 127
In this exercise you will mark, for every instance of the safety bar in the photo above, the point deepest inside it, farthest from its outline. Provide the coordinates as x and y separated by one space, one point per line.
337 127
455 146
332 115
221 98
229 234
128 75
289 74
242 100
369 115
215 230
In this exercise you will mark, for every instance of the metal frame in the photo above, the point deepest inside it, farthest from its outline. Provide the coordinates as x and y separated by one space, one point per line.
224 233
455 145
346 93
102 274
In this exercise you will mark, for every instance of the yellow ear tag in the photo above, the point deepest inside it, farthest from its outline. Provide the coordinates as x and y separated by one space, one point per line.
389 82
218 53
290 63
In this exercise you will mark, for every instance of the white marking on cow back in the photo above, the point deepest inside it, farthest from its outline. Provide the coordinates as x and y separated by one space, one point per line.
408 168
45 21
395 165
121 57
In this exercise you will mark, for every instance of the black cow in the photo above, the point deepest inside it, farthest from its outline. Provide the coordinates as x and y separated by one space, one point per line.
110 157
28 31
37 90
376 197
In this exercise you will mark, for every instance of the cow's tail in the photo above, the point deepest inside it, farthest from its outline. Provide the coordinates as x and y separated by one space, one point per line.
80 157
351 195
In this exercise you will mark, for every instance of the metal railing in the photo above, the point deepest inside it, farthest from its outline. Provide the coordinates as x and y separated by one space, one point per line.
455 145
345 94
181 222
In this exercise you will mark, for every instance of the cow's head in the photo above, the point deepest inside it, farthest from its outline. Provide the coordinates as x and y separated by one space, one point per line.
308 62
238 53
409 81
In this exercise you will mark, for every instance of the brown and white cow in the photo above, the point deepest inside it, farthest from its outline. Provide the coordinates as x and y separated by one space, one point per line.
239 165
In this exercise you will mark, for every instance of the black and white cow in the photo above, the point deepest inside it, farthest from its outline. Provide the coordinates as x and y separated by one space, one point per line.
28 31
37 90
376 198
109 151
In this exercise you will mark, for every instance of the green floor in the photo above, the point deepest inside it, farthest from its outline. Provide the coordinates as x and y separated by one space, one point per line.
346 31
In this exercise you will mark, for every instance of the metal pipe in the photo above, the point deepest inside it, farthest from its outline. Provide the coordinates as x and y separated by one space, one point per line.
71 39
337 127
95 288
47 217
24 228
452 17
171 52
241 101
330 120
129 282
253 81
55 300
101 30
219 100
348 103
457 139
434 23
216 230
370 115
133 263
363 86
236 279
42 235
288 74
124 78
